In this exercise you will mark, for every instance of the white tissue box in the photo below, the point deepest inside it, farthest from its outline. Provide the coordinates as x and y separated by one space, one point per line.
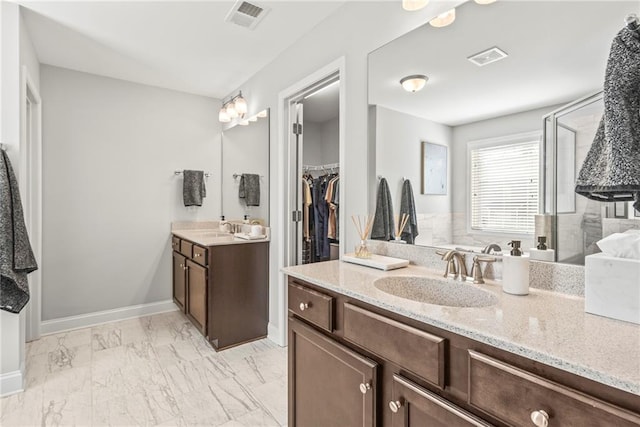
612 287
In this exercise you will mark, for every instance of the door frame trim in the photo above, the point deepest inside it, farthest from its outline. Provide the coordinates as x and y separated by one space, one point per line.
278 332
31 183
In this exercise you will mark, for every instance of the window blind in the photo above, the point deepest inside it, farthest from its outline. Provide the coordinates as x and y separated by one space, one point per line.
504 187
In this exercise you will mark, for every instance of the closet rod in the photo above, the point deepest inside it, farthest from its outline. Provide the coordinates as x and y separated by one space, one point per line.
321 167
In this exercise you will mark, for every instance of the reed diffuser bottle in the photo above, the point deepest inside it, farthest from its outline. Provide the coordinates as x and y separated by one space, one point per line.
361 250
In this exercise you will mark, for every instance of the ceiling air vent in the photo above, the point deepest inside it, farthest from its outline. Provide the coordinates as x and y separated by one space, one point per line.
488 56
246 14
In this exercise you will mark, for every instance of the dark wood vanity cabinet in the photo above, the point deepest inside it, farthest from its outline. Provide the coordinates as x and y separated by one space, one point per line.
223 290
419 375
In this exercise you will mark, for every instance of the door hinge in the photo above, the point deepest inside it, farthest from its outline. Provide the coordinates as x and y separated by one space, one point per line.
297 129
296 216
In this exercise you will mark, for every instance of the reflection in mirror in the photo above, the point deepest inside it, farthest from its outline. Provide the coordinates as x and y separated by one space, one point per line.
502 171
245 150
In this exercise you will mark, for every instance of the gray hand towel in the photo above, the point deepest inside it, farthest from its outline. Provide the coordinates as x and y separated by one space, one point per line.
611 170
250 189
16 256
383 224
408 206
193 189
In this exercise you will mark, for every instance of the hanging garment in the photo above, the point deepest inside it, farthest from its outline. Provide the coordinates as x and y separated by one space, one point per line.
193 189
16 257
408 206
321 216
306 204
383 224
611 170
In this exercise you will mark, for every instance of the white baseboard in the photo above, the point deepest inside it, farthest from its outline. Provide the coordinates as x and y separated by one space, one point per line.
275 335
12 382
91 319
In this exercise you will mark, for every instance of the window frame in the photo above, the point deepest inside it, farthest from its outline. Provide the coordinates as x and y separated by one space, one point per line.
496 142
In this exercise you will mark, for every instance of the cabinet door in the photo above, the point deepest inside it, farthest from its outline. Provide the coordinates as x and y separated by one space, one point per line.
197 295
179 280
413 405
329 384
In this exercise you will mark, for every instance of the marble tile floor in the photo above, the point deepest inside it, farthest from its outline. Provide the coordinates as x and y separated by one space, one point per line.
150 371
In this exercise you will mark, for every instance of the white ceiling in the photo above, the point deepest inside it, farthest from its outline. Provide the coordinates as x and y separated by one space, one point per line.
557 53
180 45
322 105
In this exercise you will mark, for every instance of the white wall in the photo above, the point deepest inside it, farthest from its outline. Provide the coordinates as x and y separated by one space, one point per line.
343 34
245 149
16 51
110 149
321 142
399 138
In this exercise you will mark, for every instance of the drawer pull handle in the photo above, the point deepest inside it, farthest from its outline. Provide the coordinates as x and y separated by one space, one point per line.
540 418
304 306
395 406
197 255
365 387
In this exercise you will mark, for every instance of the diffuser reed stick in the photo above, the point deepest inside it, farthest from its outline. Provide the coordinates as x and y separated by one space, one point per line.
363 231
401 223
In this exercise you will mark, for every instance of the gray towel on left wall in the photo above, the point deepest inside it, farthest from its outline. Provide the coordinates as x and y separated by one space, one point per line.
383 224
16 256
250 189
193 189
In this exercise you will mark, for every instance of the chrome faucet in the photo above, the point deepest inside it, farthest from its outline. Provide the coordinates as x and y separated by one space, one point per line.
493 246
455 264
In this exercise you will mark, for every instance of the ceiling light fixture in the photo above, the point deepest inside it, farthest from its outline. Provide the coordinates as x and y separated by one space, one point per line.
484 1
413 5
444 19
414 83
233 108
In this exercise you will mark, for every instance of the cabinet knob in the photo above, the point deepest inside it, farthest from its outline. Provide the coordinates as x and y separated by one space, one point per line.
304 306
395 406
365 387
185 267
540 418
181 266
197 255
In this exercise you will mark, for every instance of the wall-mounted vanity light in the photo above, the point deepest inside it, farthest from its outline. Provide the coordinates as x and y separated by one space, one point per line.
444 19
484 1
413 5
414 83
235 107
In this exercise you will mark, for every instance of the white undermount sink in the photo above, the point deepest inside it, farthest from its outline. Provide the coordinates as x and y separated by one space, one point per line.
434 291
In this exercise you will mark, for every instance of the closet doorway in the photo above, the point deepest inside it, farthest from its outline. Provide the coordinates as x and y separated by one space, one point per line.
315 177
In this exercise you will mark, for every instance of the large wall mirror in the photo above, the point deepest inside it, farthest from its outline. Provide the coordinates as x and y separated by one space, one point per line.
245 150
493 116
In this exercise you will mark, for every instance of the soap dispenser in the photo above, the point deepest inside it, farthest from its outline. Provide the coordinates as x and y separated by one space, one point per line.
541 252
515 271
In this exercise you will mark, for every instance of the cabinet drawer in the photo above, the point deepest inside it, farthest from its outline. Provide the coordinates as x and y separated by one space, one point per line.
516 396
186 248
413 405
415 350
311 305
175 243
200 255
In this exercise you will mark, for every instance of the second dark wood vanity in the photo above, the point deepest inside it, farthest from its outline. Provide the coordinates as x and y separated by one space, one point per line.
223 289
354 364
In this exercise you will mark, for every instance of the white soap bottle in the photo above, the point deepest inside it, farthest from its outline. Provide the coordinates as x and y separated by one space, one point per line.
542 253
515 271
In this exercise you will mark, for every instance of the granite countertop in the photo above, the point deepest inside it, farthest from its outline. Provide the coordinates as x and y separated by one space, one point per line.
548 327
209 234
